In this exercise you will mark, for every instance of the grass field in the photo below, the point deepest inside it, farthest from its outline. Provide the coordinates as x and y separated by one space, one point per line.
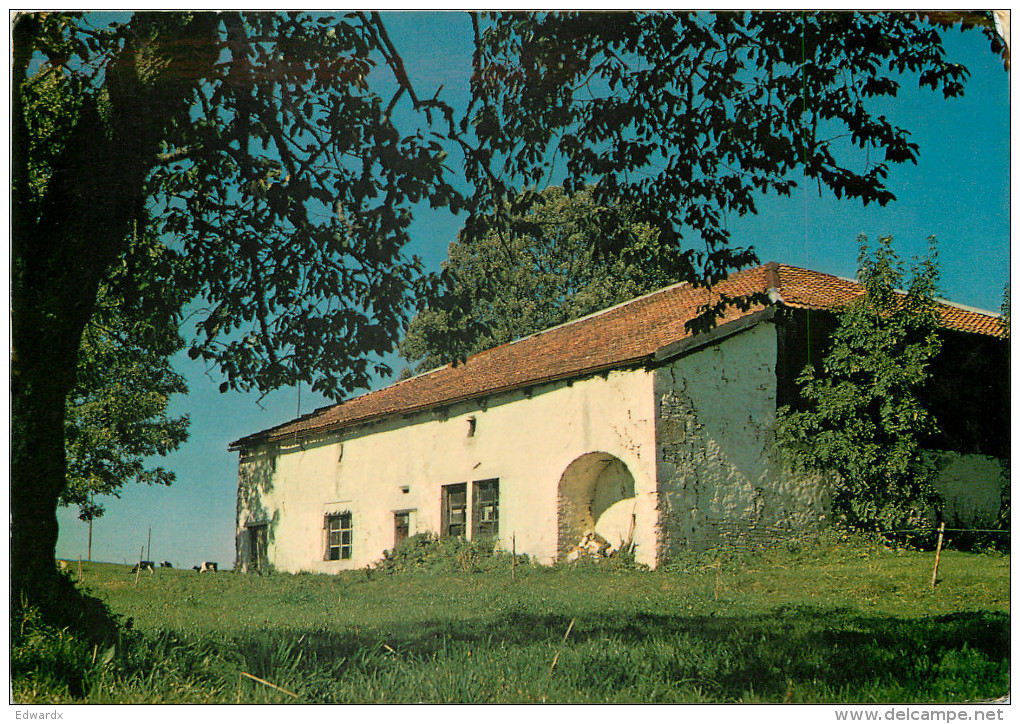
833 623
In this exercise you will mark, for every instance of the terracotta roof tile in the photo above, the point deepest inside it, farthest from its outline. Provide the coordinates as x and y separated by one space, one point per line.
804 288
629 333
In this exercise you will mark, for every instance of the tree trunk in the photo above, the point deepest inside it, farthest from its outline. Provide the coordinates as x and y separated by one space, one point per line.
45 336
61 254
63 246
37 464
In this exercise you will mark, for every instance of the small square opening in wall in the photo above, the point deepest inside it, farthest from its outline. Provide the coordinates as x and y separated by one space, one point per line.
472 426
405 489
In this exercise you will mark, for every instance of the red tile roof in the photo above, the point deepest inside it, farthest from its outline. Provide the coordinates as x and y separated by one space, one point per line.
627 334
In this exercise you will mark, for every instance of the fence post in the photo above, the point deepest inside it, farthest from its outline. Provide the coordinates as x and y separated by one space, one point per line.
138 569
513 559
938 553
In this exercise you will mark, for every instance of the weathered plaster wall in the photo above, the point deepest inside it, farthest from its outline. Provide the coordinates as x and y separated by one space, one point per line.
718 480
683 455
526 439
255 476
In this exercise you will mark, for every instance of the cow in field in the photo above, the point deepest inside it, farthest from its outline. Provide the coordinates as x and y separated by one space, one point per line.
206 567
166 564
145 566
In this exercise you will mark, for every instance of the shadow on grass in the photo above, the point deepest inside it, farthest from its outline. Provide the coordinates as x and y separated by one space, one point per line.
825 649
833 647
54 631
830 653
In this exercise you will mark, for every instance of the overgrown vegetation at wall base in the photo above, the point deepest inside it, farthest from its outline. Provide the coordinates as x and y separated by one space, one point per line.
863 413
813 623
427 552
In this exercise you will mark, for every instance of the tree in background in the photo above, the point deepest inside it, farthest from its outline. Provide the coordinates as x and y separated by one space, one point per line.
863 414
542 270
117 410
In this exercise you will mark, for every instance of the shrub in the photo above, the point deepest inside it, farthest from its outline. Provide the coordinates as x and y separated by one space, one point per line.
426 551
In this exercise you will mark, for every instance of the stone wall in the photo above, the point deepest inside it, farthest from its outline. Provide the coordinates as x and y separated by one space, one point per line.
718 480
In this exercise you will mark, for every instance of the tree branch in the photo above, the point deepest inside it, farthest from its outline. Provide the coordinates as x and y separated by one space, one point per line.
165 159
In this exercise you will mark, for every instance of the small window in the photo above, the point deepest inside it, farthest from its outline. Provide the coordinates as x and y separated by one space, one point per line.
485 513
401 526
454 514
339 536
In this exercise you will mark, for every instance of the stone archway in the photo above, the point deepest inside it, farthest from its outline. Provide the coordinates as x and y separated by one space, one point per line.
596 492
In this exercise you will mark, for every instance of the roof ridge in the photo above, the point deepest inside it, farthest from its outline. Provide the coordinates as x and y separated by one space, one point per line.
586 317
966 308
535 335
600 312
326 408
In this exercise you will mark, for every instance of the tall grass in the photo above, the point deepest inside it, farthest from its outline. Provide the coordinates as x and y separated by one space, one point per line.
833 624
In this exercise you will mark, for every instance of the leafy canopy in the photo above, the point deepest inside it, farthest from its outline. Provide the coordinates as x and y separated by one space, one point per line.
288 166
116 413
283 181
266 153
116 418
291 192
863 414
690 118
537 272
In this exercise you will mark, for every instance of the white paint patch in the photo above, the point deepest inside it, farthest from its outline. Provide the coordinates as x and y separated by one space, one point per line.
616 524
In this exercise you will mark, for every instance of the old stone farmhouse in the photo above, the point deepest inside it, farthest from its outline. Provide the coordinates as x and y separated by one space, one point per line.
622 422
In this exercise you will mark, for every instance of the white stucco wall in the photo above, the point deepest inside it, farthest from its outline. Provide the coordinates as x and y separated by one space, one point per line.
719 479
696 435
526 440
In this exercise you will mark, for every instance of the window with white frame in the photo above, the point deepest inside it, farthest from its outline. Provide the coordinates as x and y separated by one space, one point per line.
339 536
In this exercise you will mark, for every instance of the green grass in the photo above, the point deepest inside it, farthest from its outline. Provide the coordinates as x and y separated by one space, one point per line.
830 624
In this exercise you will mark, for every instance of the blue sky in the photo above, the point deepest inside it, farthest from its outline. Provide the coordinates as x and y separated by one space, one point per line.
959 191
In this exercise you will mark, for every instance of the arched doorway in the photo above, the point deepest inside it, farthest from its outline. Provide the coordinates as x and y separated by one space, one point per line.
596 492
